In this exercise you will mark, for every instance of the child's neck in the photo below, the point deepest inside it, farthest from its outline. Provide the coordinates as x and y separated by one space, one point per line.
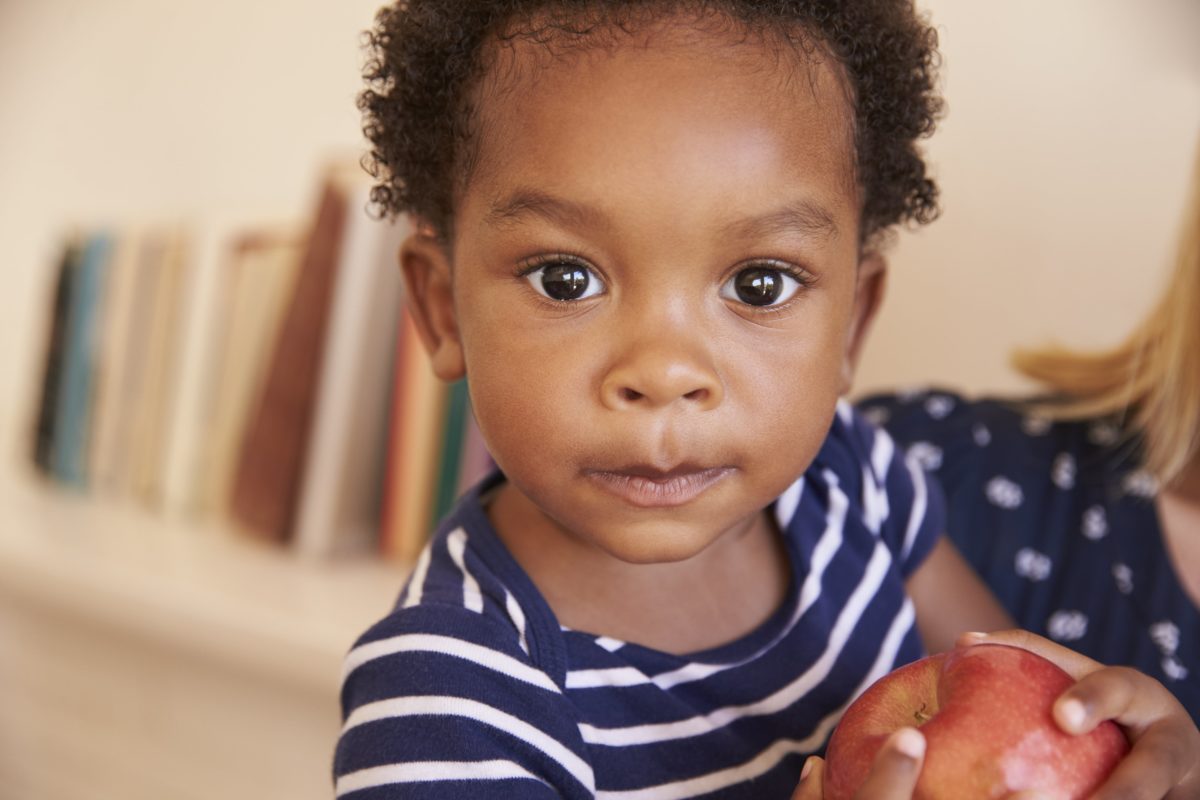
713 598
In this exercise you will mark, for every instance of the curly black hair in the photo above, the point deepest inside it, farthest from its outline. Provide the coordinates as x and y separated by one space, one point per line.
426 56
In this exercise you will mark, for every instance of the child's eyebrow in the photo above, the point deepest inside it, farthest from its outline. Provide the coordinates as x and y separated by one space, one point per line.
804 217
526 202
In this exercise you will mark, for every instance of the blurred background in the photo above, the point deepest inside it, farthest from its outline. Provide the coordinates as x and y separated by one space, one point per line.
1063 160
150 647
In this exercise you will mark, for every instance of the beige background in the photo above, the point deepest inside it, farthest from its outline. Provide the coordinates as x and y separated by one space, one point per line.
1063 159
149 659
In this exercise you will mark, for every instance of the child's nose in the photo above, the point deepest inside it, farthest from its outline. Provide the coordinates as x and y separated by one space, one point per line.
657 374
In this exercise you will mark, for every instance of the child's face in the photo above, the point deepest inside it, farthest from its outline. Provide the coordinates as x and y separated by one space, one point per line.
690 207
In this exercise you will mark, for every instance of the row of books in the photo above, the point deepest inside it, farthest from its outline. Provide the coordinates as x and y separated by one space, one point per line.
283 388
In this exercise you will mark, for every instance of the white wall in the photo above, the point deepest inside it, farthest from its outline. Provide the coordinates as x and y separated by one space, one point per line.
213 112
1062 160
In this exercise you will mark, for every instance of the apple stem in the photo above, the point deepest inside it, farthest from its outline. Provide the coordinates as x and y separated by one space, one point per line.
921 716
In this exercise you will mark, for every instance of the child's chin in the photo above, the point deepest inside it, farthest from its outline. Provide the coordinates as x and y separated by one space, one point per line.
656 542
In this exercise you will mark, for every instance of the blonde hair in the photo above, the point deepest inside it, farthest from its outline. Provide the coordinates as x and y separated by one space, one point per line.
1153 378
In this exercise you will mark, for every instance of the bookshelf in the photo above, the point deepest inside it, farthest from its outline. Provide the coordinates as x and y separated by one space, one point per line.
209 507
148 658
145 654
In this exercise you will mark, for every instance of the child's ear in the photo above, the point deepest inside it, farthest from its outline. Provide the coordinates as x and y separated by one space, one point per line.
430 298
868 294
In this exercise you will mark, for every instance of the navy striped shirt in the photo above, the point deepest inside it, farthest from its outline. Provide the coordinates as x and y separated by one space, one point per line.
470 688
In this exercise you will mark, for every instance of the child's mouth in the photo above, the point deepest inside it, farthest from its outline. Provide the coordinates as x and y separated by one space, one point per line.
648 487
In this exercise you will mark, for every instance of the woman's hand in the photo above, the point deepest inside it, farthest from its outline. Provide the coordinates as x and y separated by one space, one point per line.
1165 759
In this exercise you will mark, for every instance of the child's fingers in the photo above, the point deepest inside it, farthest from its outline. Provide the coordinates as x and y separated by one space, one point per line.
1166 743
894 774
1074 664
1163 757
812 780
1117 693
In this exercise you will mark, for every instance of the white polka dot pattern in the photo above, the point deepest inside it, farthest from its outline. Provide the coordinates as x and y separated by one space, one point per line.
1067 626
1031 564
1004 493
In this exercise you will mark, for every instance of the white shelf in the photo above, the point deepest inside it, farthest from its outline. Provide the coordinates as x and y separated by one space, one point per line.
197 588
144 658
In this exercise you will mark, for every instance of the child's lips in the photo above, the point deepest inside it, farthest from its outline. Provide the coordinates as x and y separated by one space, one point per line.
647 486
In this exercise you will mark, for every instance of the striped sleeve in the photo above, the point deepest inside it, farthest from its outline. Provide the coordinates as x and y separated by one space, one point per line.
942 431
900 503
921 520
443 702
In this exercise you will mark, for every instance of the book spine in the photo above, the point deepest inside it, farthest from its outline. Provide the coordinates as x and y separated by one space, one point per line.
197 340
55 355
74 403
413 439
272 452
451 452
162 374
342 390
116 466
112 359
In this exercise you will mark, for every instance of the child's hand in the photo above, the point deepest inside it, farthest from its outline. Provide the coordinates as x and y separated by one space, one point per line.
1165 759
893 776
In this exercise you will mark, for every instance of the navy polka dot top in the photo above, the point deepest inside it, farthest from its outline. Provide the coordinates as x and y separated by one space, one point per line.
1059 518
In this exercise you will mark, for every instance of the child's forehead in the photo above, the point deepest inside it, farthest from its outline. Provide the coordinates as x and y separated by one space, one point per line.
537 63
528 48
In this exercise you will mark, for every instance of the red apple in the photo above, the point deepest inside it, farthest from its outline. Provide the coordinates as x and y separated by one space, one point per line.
985 715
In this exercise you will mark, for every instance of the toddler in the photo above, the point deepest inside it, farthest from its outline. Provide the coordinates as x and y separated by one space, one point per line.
648 236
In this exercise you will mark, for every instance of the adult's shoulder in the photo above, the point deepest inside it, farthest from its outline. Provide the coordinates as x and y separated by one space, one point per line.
943 415
950 434
953 436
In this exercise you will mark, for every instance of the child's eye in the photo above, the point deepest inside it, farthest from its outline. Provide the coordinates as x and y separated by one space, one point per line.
762 286
564 281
